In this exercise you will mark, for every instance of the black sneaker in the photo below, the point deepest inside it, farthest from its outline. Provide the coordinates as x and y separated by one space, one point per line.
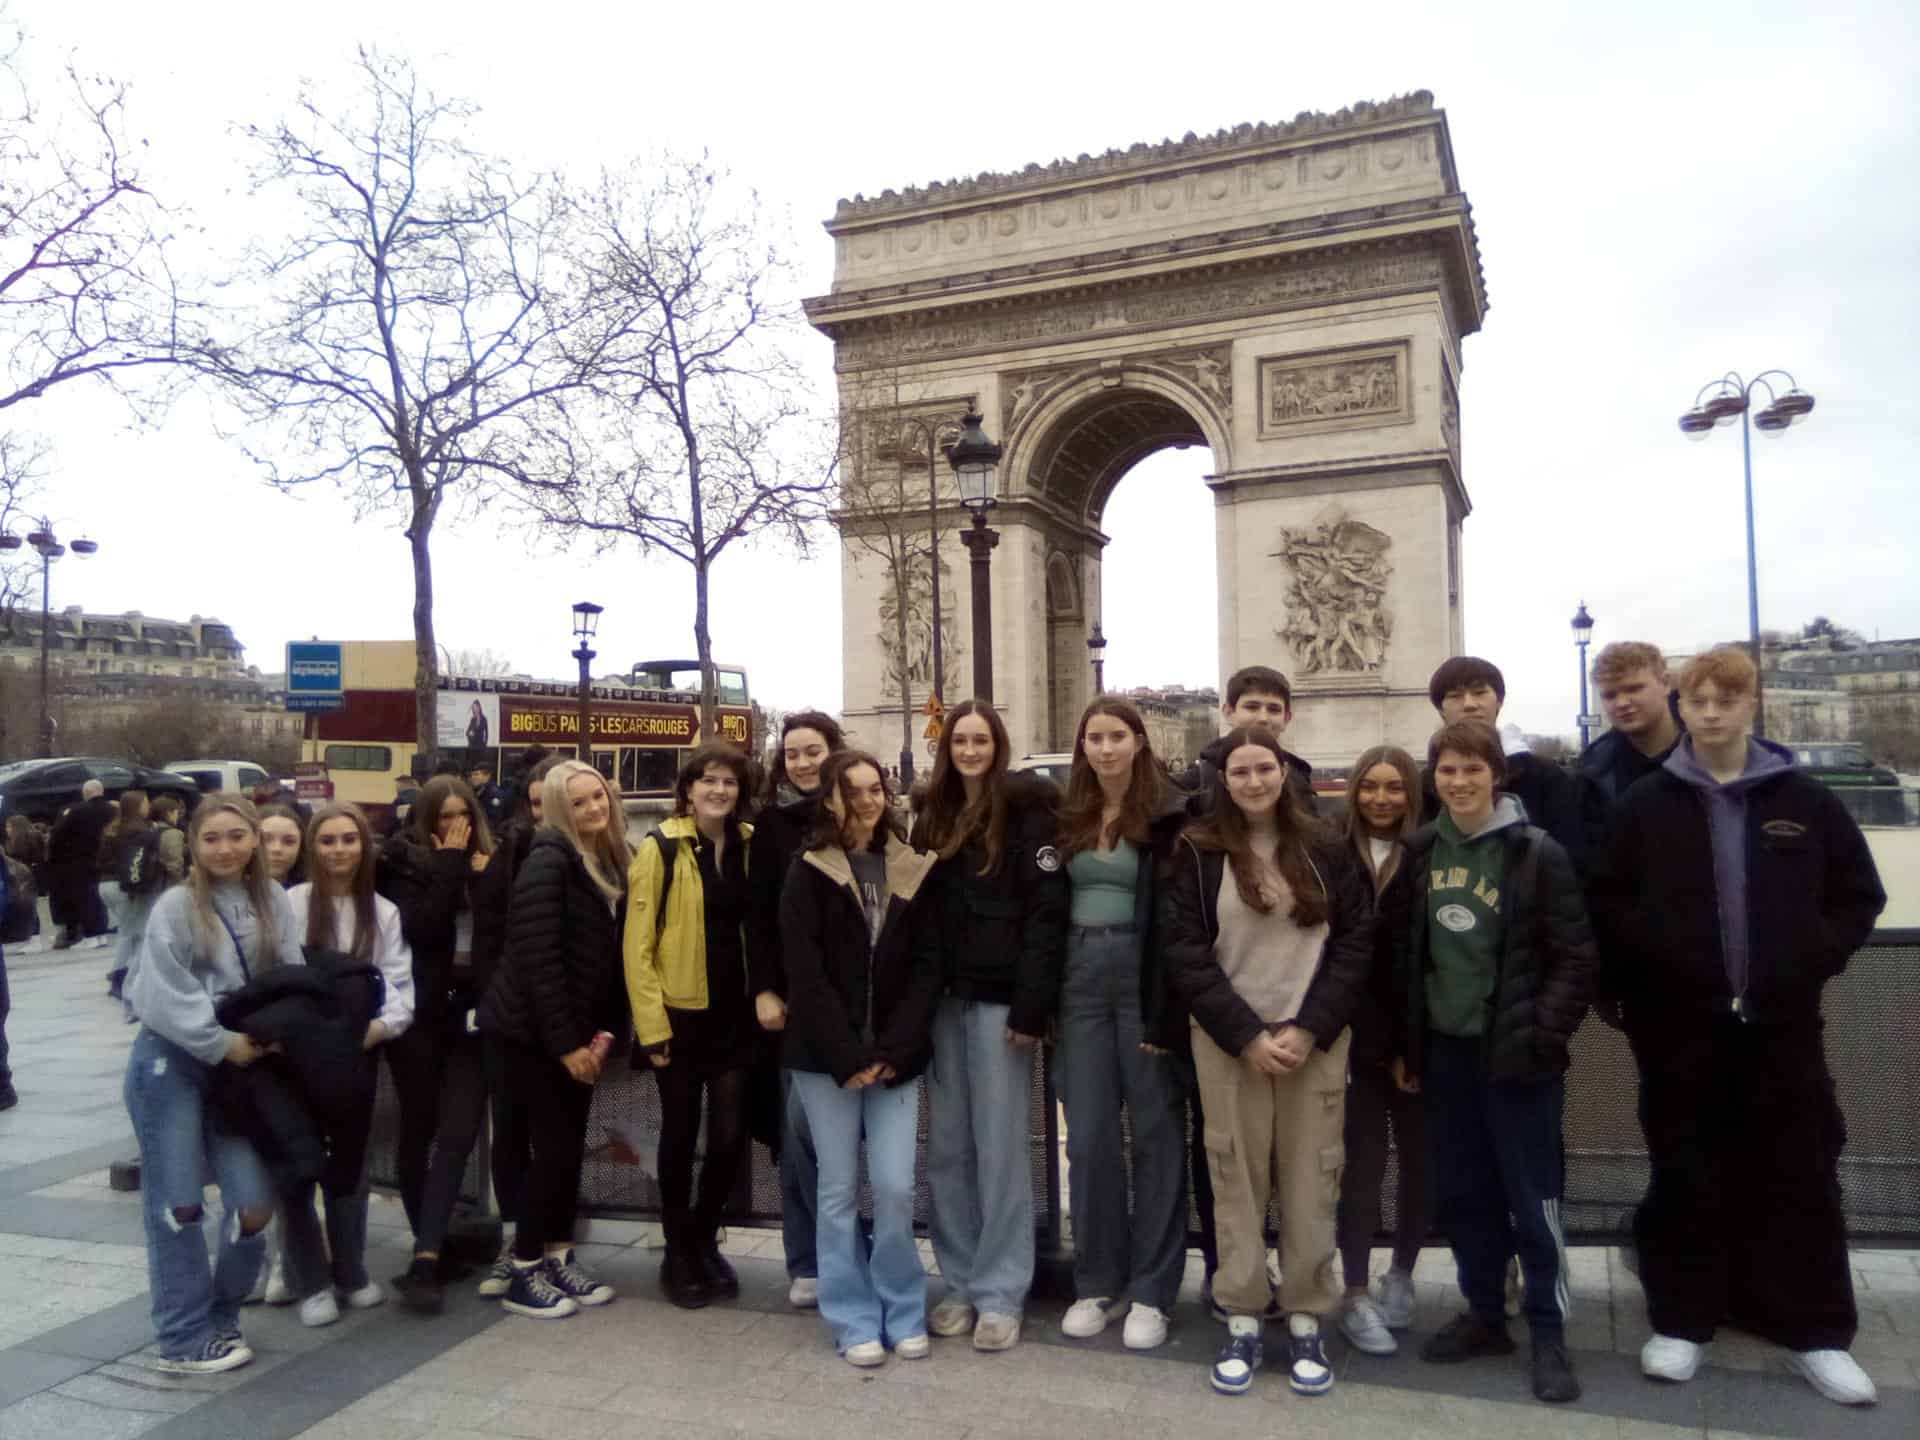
419 1288
1465 1337
220 1353
450 1269
1553 1377
534 1295
722 1279
1309 1373
576 1283
1233 1368
9 1097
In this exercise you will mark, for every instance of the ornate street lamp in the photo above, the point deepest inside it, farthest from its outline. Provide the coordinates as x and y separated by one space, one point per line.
47 545
973 458
1582 634
586 619
1097 647
1719 403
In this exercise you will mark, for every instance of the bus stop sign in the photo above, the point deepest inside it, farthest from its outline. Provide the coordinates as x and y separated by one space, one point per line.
314 674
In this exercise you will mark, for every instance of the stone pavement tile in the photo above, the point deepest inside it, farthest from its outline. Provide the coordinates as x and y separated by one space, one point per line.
1889 1282
28 1372
337 1428
442 1407
106 1334
1899 1262
48 1416
130 1389
578 1392
474 1375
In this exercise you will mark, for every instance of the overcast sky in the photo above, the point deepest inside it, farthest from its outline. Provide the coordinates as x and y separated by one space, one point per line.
1662 193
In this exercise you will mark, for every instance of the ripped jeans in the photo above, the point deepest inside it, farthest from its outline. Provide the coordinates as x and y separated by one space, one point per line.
196 1291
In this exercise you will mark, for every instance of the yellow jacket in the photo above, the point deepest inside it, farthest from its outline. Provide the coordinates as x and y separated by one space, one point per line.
671 970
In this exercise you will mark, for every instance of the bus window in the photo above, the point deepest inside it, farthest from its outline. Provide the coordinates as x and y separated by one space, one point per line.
603 762
732 687
358 757
655 770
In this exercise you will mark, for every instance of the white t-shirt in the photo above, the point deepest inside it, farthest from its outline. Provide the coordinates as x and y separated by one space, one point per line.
390 950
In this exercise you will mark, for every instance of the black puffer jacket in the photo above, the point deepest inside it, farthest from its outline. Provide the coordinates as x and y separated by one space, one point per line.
1002 936
492 896
428 886
559 979
1813 894
1190 923
1547 964
855 1000
779 833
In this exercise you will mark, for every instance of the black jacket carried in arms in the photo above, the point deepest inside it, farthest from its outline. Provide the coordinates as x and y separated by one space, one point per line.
844 986
1002 936
559 979
1813 895
428 886
779 833
1190 923
1546 970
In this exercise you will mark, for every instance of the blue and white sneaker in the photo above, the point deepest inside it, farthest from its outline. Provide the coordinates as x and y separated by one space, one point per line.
576 1283
1233 1370
1309 1373
498 1279
220 1353
534 1295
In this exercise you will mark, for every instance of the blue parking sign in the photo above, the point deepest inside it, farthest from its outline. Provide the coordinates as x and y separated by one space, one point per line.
313 668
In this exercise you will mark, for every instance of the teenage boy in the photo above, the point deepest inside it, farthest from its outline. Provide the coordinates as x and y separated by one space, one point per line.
1256 695
1484 936
1637 695
1469 688
1732 887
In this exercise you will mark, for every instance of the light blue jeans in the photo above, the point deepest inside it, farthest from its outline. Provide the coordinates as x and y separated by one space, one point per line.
881 1295
979 1156
166 1093
799 1184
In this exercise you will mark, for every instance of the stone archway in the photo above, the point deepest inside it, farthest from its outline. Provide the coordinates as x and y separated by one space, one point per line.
1292 297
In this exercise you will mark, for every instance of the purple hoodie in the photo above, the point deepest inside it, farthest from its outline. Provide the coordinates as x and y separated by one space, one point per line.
1727 830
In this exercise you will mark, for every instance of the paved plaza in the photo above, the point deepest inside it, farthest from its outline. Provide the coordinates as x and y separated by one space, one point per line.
75 1362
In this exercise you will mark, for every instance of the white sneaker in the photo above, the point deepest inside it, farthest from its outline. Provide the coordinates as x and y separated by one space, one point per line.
867 1354
366 1297
1362 1322
1146 1328
952 1316
319 1309
996 1332
278 1291
1087 1318
804 1292
1665 1357
1835 1374
914 1347
1397 1299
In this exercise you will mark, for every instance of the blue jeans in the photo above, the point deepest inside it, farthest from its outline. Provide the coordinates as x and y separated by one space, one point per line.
166 1093
6 1007
799 1184
1099 1067
865 1296
979 1156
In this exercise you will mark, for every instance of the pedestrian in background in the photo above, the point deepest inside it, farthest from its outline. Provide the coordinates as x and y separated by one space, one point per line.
150 857
73 865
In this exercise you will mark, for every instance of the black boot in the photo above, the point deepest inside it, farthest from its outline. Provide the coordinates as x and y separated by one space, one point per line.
683 1278
721 1277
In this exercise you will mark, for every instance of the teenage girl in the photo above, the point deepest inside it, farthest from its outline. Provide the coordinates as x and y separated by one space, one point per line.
206 937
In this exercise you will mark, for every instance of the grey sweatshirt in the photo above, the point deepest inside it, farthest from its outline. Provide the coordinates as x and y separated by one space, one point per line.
1727 832
180 975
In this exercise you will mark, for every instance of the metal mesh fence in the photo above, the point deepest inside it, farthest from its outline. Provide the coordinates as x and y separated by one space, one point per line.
1872 1031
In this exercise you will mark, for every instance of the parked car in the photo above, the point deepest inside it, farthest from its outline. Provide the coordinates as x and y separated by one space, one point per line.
237 776
1055 767
41 789
1841 764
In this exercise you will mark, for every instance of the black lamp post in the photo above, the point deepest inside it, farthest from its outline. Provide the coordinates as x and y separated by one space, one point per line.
49 548
586 619
973 458
1582 634
1097 647
1732 397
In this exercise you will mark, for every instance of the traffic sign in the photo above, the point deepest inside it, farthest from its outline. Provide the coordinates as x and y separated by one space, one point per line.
314 674
316 702
932 732
1592 722
933 707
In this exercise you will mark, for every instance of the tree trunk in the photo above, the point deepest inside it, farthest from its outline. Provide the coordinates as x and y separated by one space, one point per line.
703 650
425 650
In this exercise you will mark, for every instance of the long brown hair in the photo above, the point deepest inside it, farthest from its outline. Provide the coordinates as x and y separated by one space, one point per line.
1357 833
259 885
948 819
424 818
1225 828
830 830
818 721
1080 822
130 817
359 889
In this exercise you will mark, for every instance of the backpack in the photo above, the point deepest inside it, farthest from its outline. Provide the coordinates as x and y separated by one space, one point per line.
138 867
667 849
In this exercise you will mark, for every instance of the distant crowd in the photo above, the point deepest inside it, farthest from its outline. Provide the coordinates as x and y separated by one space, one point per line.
1244 1002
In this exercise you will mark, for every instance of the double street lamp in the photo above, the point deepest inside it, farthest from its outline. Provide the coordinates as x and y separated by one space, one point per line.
1582 635
50 549
1721 402
973 458
586 619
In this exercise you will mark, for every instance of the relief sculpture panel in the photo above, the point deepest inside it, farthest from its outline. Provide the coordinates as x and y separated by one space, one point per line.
1338 620
1334 390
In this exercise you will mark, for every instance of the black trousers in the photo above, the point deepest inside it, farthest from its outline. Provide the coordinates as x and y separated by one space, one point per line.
1742 1221
440 1079
553 1106
689 1220
511 1153
1372 1100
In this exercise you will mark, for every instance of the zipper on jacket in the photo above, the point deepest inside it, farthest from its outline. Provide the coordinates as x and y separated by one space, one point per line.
1738 1006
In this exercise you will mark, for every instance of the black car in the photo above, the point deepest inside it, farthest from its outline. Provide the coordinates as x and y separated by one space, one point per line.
41 789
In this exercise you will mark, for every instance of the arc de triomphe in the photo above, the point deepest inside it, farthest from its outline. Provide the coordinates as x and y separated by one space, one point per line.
1292 297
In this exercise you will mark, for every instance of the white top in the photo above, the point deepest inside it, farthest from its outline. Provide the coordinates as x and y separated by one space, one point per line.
390 950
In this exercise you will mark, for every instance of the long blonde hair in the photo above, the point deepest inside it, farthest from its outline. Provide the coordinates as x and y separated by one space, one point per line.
259 884
608 857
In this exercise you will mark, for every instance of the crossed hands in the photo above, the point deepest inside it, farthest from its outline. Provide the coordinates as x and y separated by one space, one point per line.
1279 1053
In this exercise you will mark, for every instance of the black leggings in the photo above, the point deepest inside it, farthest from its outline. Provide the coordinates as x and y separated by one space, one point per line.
441 1080
511 1150
551 1108
690 1221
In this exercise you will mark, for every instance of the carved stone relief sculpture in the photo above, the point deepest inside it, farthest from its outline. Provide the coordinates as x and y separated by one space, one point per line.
1338 619
915 662
1210 371
1334 390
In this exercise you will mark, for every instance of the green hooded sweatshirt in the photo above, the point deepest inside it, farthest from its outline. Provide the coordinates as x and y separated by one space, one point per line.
1464 927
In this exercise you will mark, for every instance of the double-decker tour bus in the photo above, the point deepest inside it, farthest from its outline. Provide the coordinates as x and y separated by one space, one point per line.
641 729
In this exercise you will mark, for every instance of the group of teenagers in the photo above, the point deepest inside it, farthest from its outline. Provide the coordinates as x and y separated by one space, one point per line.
1265 995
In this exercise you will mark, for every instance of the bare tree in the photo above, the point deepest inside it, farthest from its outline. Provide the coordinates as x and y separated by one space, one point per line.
23 461
86 287
480 664
701 408
413 351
